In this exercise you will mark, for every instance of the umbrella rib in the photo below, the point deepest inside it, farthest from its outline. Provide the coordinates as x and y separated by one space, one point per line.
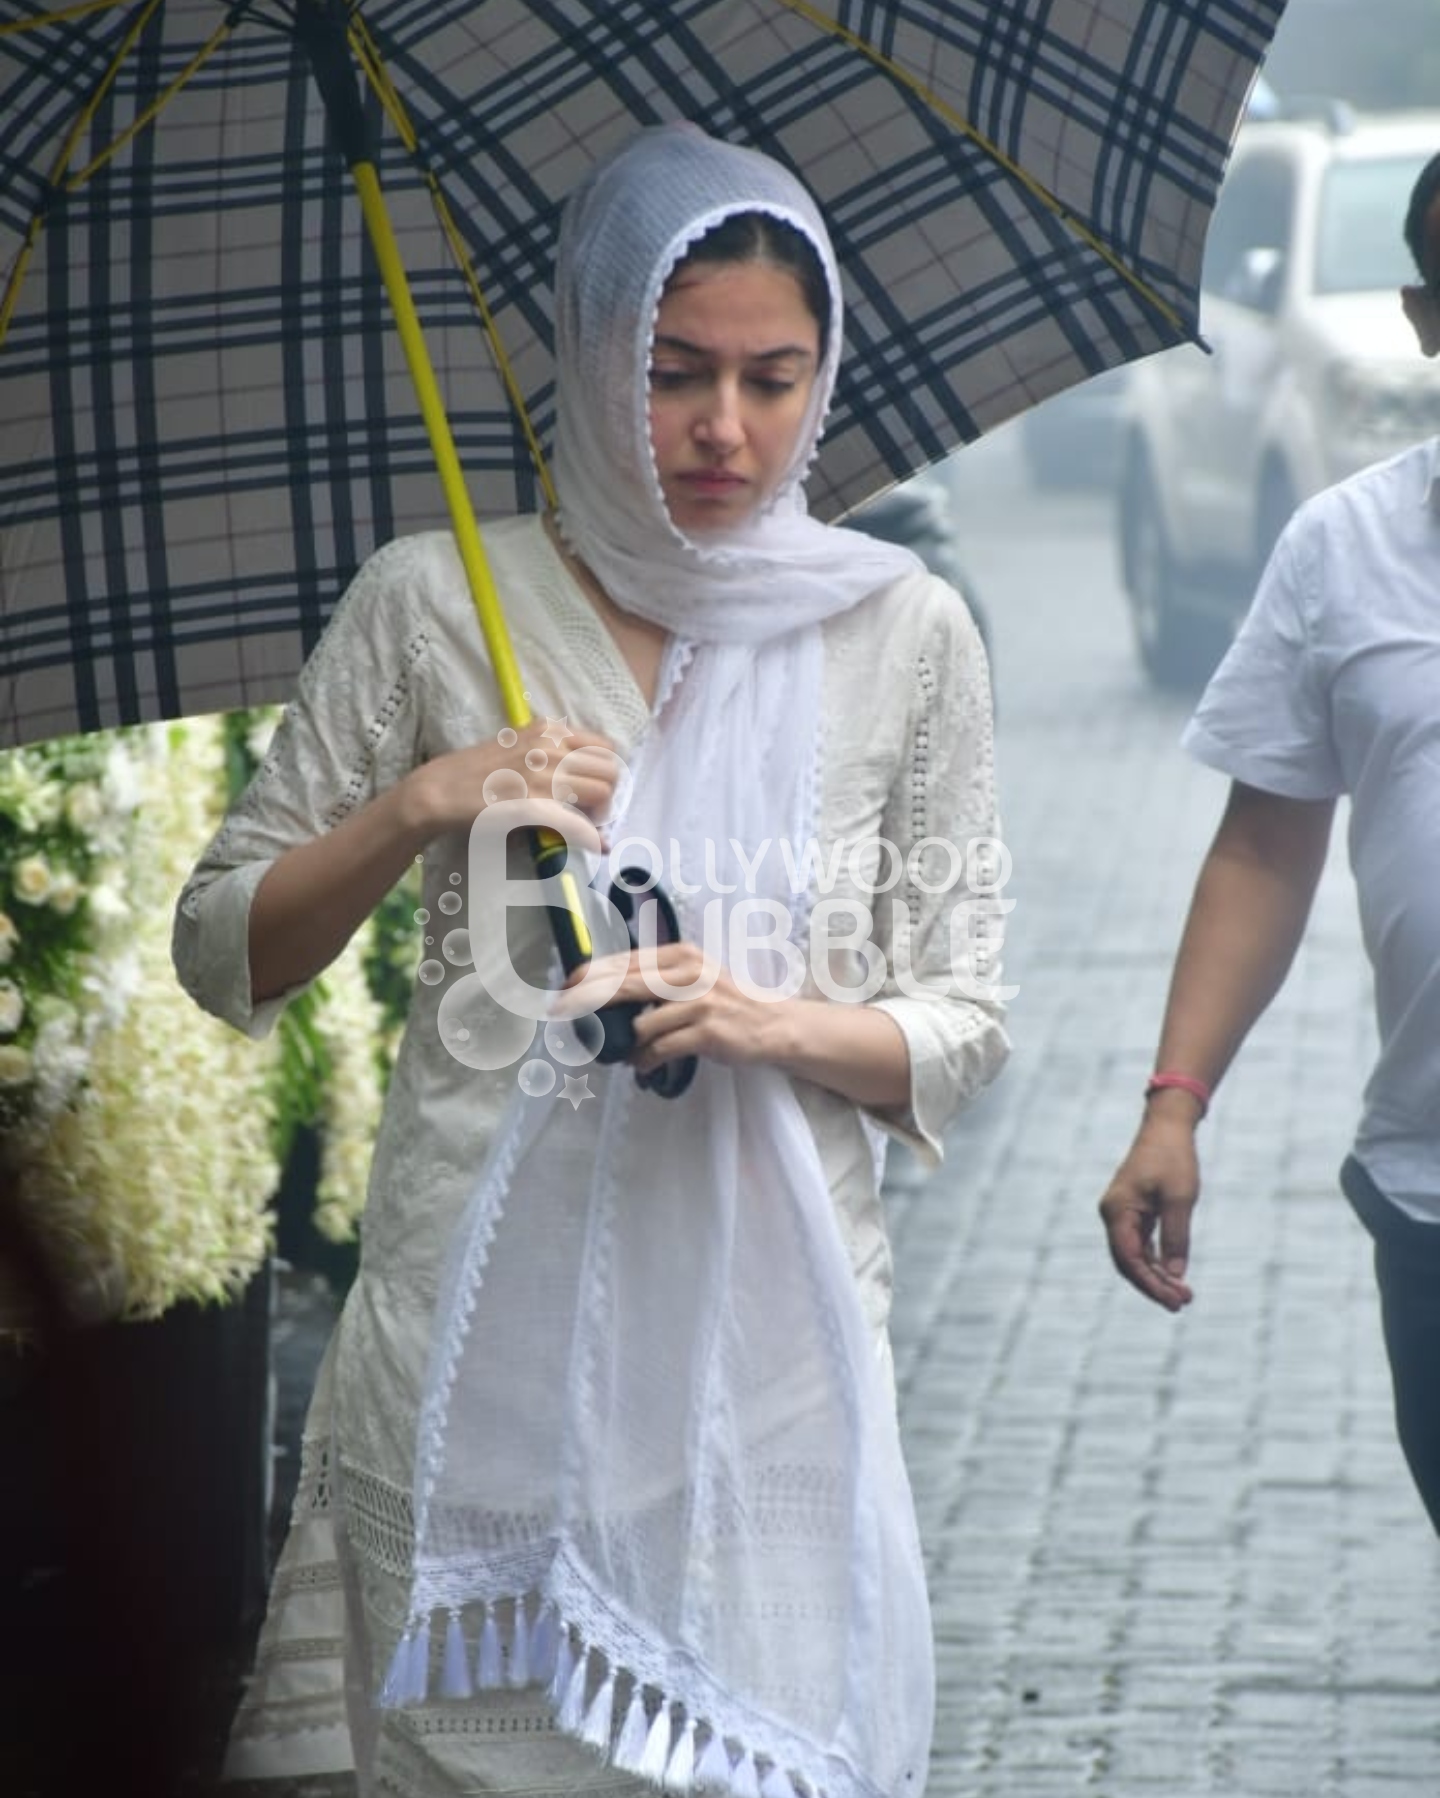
1037 189
368 54
62 15
11 296
145 119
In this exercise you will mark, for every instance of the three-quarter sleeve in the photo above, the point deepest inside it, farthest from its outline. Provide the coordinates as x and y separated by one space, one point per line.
942 932
349 733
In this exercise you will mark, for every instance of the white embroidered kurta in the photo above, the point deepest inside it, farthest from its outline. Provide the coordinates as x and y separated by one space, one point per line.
401 677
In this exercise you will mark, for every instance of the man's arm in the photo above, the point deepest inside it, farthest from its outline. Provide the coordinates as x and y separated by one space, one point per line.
1246 920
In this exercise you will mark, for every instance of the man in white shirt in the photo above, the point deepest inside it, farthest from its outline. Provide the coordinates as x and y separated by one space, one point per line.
1331 687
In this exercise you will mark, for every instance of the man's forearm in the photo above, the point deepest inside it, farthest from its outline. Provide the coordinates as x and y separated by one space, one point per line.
1246 920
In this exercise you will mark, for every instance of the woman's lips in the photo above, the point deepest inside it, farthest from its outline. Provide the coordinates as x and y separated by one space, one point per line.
712 482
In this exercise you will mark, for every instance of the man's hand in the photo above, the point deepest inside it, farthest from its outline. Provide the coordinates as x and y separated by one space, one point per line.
1151 1196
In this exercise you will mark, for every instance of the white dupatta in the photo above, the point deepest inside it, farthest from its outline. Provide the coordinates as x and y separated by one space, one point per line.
658 1467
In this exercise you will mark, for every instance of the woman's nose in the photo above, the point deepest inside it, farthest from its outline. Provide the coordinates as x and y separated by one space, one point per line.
719 424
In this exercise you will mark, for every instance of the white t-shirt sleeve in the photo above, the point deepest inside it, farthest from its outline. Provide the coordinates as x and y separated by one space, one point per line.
1265 717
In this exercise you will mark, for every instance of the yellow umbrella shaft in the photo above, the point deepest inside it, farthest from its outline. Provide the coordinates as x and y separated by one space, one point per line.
432 408
549 847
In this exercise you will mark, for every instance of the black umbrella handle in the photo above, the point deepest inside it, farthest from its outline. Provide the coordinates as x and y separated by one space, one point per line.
610 1031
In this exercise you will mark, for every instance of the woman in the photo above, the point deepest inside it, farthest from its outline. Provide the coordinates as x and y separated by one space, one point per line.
657 1502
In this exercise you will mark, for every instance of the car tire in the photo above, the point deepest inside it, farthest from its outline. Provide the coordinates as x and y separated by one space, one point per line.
1176 646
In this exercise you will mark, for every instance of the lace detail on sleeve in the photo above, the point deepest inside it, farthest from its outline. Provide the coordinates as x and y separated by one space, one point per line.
351 731
943 951
919 748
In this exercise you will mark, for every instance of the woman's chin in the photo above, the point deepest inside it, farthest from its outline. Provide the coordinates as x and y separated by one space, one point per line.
708 519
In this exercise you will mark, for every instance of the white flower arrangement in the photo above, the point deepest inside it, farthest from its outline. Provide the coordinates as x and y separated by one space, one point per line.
145 1136
52 854
141 1132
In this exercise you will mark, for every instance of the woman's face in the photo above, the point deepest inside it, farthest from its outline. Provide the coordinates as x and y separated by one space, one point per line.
735 357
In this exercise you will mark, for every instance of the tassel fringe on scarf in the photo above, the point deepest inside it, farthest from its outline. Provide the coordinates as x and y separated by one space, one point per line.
634 1727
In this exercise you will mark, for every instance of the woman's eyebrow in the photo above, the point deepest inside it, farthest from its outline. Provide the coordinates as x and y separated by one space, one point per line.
686 348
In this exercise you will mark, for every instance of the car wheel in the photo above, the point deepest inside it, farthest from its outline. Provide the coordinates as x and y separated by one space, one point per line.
1175 646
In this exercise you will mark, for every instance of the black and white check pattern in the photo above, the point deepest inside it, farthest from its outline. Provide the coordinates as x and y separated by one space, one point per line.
205 423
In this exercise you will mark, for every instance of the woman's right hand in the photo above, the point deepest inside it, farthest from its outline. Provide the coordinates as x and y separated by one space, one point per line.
450 791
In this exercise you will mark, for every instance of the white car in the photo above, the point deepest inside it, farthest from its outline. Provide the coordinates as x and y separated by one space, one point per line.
1313 373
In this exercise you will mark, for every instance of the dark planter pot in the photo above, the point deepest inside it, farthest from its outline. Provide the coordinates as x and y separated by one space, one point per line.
134 1490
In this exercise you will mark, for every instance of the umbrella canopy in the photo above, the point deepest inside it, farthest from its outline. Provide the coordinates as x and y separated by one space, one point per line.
205 424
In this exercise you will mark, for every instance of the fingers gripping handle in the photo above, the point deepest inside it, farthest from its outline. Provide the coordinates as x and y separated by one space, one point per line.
612 1027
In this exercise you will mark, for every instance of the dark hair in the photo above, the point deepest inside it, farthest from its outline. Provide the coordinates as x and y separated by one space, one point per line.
761 237
1422 197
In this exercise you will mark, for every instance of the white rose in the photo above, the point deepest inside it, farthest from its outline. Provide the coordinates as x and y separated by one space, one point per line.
12 1007
60 1063
107 904
113 986
9 937
14 1065
47 803
31 879
122 780
84 806
65 893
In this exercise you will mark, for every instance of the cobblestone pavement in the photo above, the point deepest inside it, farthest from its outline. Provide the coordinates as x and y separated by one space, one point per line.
1170 1558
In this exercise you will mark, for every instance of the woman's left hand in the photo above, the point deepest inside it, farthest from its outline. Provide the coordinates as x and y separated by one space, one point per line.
721 1022
857 1051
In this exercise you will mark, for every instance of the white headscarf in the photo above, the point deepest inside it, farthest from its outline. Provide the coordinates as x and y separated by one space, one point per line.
624 232
658 1466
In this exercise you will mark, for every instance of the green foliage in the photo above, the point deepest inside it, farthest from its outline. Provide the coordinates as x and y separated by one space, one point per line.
305 1065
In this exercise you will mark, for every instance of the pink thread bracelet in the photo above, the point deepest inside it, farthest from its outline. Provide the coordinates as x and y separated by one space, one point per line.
1186 1083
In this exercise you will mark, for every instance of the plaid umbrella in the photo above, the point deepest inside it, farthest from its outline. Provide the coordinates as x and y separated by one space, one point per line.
205 424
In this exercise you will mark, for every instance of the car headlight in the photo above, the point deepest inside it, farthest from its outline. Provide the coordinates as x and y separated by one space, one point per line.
1384 403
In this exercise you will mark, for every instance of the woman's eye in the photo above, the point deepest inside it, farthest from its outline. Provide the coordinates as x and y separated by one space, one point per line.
669 380
768 384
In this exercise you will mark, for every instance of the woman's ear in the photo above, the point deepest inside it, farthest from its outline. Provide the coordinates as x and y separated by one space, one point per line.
1422 308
